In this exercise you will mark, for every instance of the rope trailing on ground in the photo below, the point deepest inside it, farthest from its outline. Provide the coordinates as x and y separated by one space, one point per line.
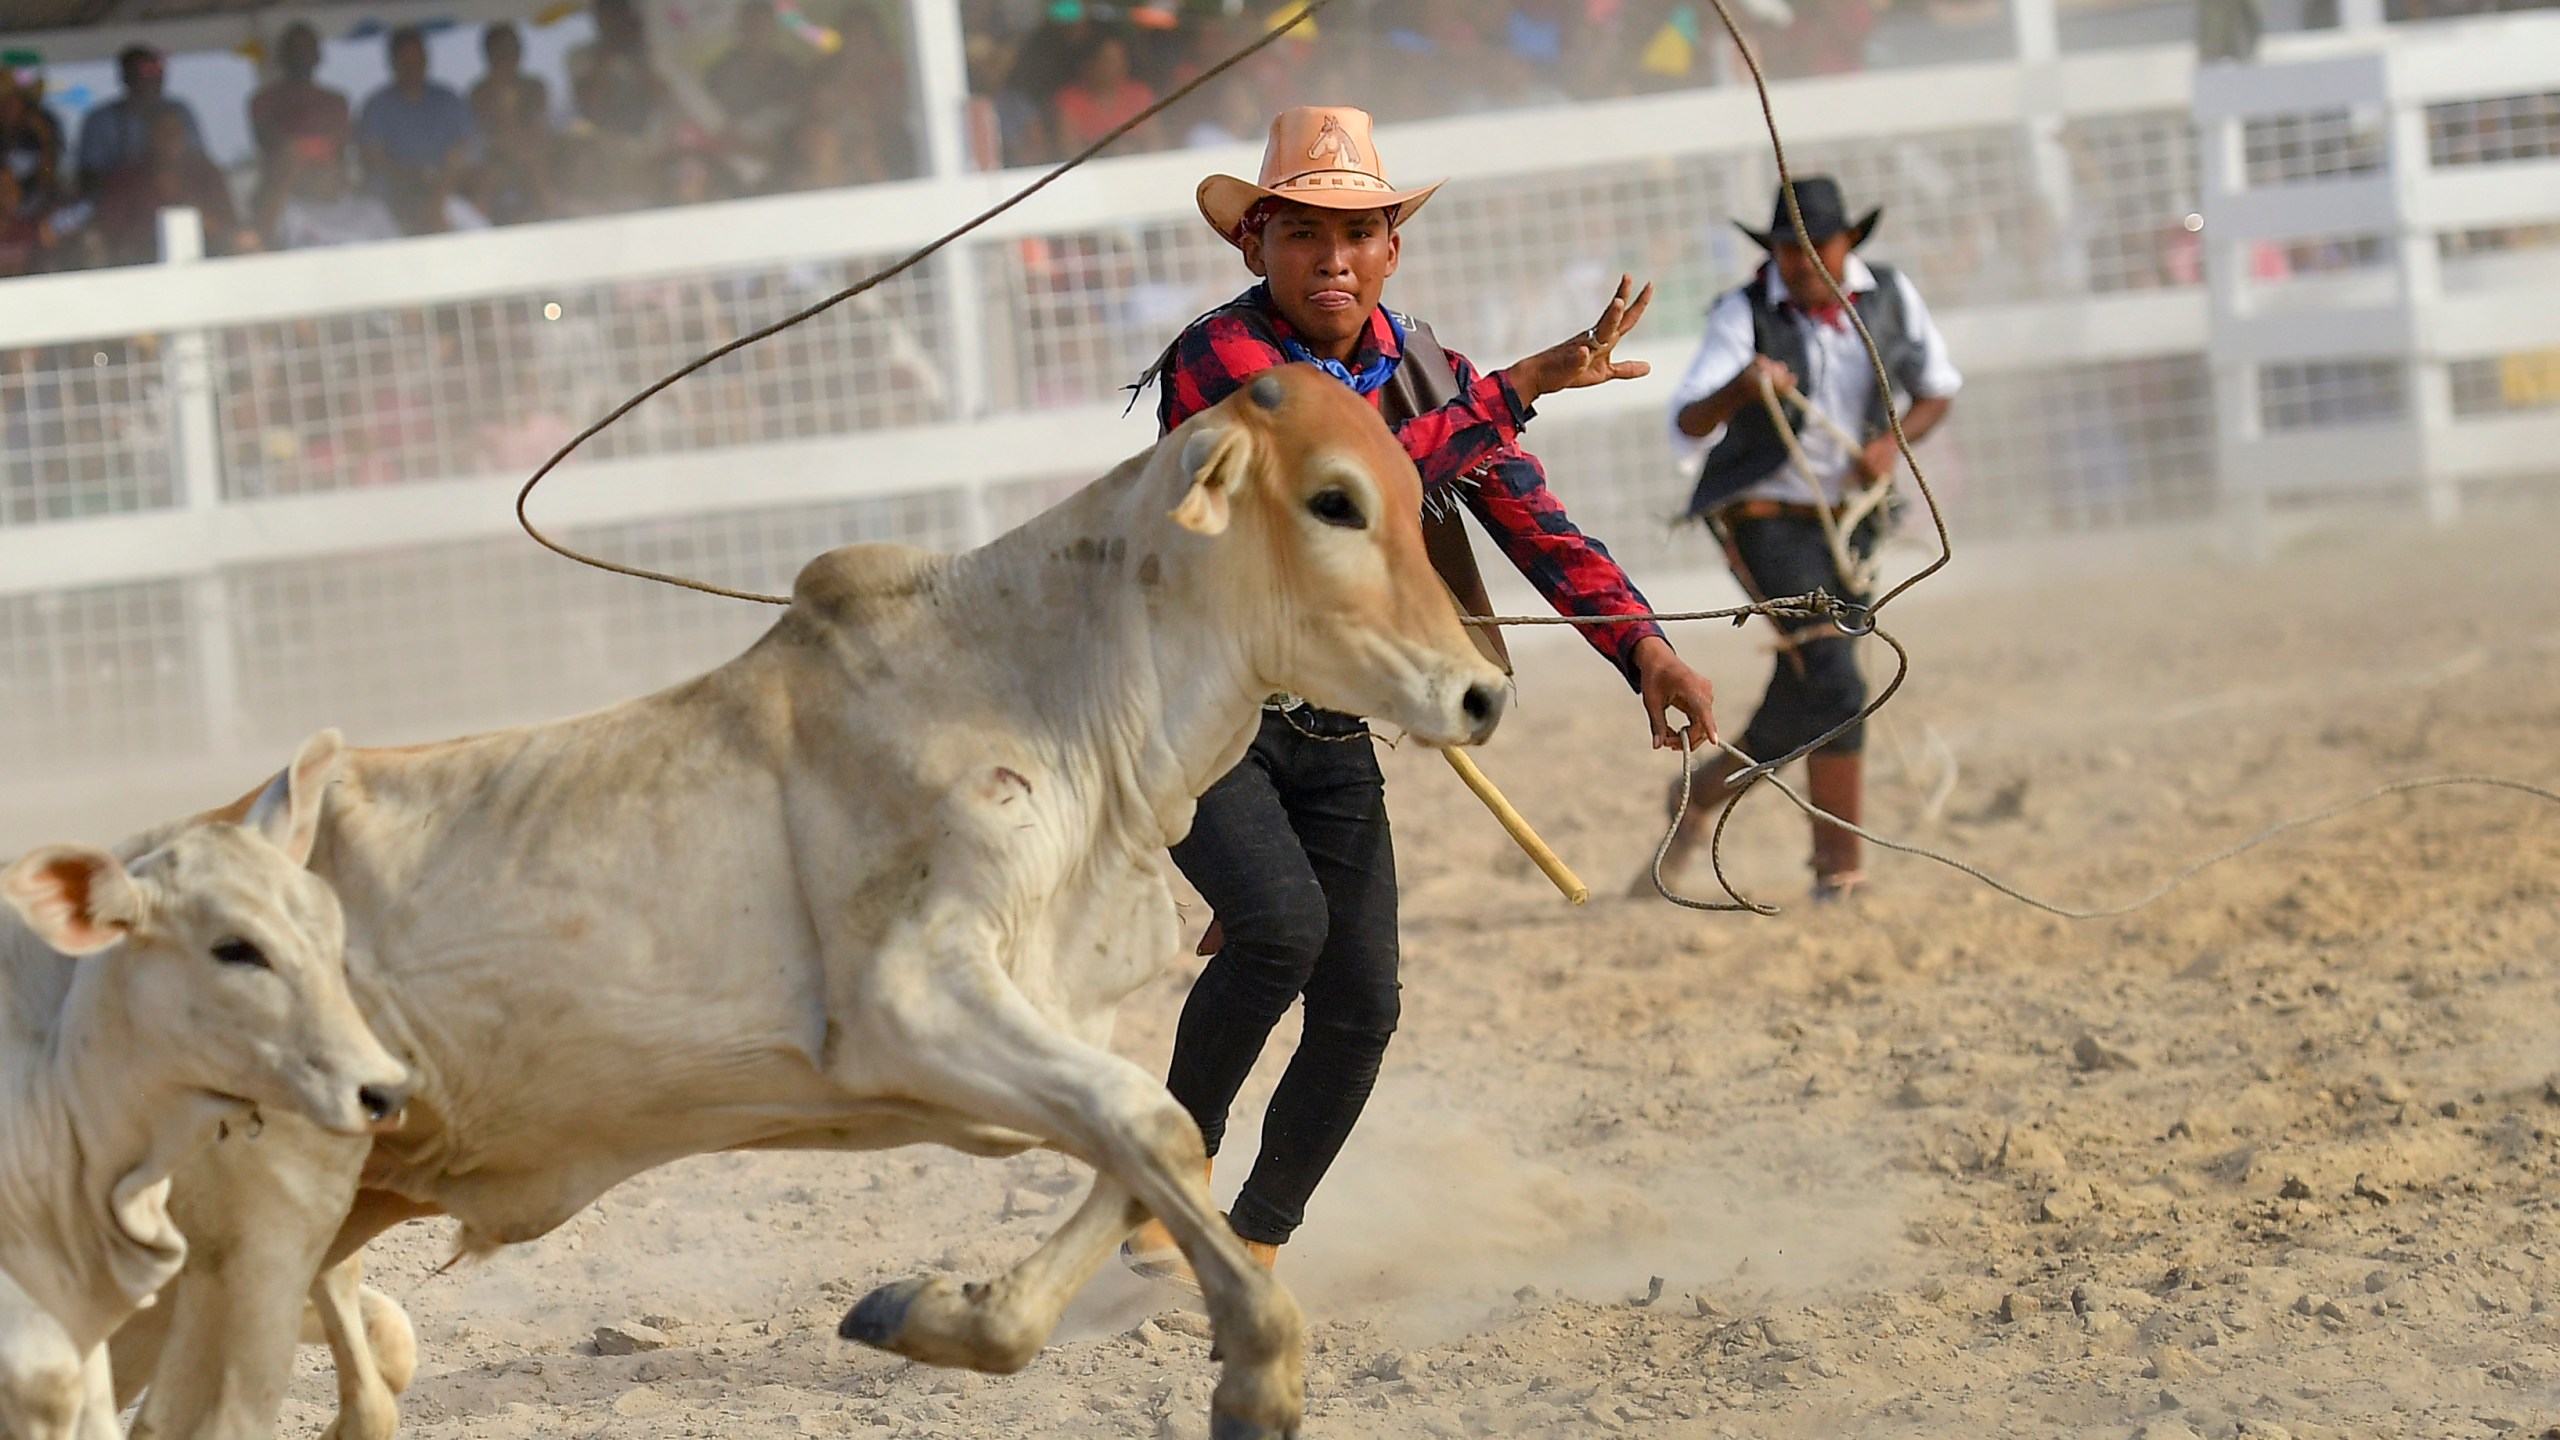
870 282
1688 760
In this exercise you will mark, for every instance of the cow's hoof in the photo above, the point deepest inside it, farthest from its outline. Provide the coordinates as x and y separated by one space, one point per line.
881 1314
1231 1427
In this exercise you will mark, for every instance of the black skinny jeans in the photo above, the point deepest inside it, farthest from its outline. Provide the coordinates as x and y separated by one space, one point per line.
1291 851
1816 685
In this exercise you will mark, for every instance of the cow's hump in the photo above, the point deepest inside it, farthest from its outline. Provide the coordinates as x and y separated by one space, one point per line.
844 582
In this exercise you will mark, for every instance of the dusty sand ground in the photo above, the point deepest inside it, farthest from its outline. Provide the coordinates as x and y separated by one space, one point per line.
2274 1158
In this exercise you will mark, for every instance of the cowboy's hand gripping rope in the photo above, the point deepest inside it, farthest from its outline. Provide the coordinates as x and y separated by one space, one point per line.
1853 620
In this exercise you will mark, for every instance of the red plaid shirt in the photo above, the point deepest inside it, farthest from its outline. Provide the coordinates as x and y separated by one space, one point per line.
1469 447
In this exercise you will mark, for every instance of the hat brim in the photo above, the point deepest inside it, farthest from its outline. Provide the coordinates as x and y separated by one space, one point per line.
1772 239
1226 200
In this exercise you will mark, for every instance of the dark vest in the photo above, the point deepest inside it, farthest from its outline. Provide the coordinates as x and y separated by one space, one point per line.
1425 381
1752 450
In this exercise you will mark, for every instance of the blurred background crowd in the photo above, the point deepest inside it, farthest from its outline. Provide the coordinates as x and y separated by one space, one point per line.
804 94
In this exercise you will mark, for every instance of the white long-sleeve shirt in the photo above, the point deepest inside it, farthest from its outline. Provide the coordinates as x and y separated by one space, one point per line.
1841 383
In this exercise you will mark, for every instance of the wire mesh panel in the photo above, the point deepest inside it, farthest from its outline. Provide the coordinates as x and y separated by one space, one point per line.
2134 182
1502 269
2322 394
2068 448
1073 318
416 643
84 430
94 676
2079 447
1964 214
2312 145
494 386
2487 132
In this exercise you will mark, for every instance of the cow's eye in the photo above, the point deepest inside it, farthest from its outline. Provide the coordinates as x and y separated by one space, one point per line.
241 952
1334 506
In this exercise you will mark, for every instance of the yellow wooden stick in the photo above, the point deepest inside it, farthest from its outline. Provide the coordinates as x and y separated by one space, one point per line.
1547 860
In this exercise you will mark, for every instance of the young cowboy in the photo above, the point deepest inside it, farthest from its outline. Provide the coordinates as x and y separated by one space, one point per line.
1291 848
1783 329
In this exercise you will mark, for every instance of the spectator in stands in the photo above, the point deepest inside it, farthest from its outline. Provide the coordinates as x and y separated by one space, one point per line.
838 140
759 85
321 204
874 64
1102 96
294 105
30 141
622 103
290 108
614 80
513 111
26 233
117 134
1040 66
172 170
505 95
418 139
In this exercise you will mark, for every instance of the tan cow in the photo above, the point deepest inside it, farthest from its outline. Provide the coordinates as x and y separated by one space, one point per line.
142 1007
882 879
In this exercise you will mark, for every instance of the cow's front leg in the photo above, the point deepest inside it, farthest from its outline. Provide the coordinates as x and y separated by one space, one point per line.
999 1325
962 1036
47 1387
258 1215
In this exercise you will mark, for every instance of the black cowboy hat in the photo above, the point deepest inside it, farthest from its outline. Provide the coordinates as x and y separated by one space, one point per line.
1825 215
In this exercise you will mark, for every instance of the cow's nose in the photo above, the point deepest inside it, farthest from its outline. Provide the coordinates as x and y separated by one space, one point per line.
1482 705
382 1104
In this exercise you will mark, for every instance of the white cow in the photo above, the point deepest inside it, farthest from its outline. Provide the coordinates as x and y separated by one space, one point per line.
142 1007
882 879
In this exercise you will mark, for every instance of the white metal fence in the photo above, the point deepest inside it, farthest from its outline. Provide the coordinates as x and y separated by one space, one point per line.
242 498
2384 251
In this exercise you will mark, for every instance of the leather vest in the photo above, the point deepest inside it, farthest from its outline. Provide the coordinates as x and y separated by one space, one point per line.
1752 450
1423 383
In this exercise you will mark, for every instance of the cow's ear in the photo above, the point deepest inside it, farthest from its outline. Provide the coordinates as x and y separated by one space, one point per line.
1219 462
77 898
288 810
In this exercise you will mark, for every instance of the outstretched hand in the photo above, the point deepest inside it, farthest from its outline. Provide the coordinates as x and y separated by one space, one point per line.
1585 359
1667 683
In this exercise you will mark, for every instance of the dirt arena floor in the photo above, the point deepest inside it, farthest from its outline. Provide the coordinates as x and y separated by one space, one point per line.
2274 1158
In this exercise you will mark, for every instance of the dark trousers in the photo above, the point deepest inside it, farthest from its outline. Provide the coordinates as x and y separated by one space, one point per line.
1816 684
1291 851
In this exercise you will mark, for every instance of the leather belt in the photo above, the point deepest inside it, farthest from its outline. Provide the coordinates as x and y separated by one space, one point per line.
1772 510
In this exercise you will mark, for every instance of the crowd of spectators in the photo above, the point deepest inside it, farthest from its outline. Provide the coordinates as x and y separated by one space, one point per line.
787 105
1053 82
776 110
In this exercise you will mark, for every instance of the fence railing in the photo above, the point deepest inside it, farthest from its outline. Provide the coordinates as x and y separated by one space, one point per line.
243 497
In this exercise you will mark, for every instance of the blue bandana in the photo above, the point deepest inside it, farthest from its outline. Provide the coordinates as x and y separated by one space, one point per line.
1367 378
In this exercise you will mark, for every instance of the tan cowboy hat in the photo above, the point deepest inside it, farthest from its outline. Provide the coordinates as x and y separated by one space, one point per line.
1318 155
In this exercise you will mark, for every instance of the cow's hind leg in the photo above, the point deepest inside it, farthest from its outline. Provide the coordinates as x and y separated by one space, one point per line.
999 1325
969 1041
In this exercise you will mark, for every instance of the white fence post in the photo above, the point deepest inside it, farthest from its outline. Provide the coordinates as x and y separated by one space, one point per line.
188 364
941 60
2035 32
187 368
